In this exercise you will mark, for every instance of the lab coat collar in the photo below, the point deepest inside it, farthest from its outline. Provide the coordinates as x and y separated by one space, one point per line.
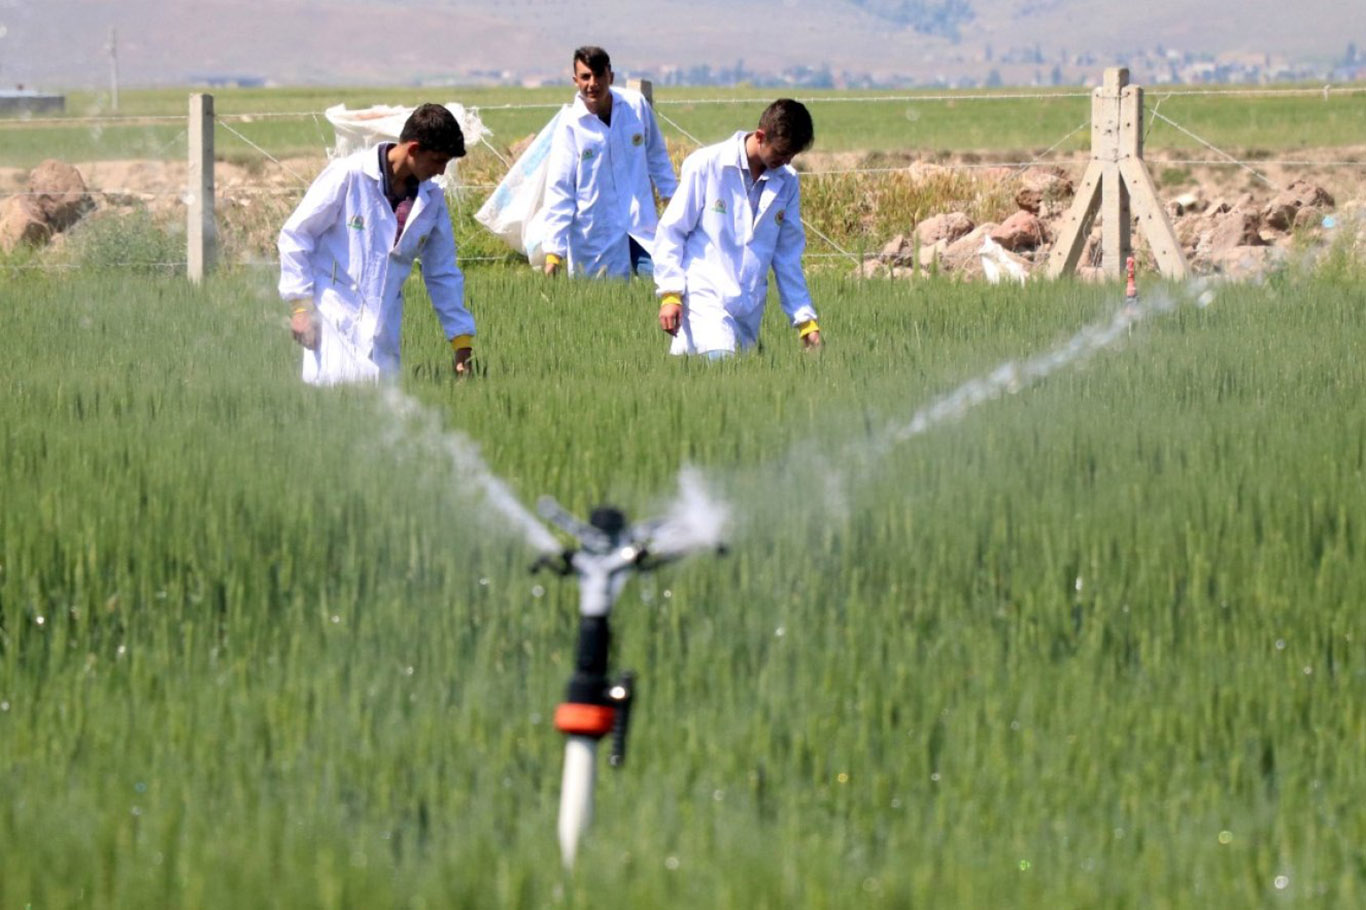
737 158
580 110
370 167
740 159
771 180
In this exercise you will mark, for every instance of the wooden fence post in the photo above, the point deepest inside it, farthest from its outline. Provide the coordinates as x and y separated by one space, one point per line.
1115 182
201 230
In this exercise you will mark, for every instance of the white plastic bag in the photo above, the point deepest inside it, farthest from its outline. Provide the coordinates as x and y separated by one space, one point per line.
998 264
367 127
515 210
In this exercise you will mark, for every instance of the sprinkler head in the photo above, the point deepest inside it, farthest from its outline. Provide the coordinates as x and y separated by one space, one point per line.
608 519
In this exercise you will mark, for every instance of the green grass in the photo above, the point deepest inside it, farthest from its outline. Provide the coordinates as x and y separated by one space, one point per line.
1095 644
924 123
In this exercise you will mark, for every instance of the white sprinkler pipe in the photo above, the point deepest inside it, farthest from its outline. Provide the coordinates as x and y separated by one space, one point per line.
576 793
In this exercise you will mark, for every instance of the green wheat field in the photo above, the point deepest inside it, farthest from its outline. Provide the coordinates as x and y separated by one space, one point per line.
1091 641
1098 643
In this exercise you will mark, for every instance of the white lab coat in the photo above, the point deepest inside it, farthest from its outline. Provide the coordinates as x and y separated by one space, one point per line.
598 187
713 246
338 249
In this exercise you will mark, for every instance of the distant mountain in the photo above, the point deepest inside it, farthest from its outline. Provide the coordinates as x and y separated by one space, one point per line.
65 43
944 19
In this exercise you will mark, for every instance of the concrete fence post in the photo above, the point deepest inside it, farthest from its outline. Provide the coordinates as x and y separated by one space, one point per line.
201 229
1117 186
645 87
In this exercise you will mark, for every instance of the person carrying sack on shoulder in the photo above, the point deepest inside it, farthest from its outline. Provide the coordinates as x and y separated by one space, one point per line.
606 154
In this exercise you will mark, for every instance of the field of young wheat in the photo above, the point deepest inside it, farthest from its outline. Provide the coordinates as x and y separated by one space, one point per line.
1019 610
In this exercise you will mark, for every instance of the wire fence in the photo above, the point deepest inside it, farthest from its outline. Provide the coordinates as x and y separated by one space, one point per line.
277 177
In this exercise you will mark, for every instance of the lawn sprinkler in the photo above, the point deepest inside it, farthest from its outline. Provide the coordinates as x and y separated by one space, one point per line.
608 551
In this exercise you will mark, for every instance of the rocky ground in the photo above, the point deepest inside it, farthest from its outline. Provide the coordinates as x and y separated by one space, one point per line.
1229 219
1238 231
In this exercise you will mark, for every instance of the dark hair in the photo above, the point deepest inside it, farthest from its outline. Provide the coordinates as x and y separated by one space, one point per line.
787 124
435 129
593 57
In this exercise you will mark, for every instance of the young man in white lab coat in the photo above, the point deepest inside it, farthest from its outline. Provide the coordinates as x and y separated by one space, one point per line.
349 246
605 153
737 213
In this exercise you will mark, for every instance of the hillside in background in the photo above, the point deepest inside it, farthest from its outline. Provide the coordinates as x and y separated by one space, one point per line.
64 44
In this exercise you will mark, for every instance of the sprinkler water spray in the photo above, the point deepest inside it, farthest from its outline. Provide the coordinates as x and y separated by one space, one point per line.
608 551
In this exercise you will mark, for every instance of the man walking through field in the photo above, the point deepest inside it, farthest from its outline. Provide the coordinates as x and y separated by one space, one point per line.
737 214
347 249
606 152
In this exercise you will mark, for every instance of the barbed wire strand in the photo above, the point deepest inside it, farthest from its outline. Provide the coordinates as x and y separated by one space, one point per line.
1212 147
284 167
322 137
115 191
1054 147
1278 162
1152 121
161 149
483 140
817 231
72 266
262 190
131 120
1325 92
1272 92
674 124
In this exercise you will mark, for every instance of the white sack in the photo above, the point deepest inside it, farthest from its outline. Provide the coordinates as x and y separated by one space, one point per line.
515 210
367 127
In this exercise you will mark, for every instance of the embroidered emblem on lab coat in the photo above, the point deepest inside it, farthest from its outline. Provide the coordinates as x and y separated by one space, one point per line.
781 216
587 154
638 139
719 206
357 223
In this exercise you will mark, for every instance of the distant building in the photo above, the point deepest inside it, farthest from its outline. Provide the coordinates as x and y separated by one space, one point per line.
226 80
20 100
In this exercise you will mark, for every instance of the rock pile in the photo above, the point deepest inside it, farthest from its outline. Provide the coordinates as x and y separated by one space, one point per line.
54 199
1241 238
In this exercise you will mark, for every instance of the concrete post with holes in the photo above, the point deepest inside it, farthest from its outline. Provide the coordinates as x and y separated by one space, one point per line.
201 229
1117 186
